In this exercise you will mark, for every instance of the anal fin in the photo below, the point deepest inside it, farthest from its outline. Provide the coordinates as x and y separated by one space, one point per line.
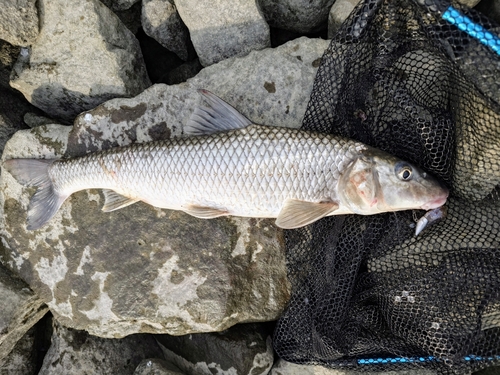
114 201
203 212
296 213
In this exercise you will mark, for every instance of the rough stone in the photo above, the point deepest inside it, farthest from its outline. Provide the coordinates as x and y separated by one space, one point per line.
339 12
141 269
241 350
119 5
161 21
21 309
224 28
13 105
74 352
19 22
301 16
83 56
282 367
131 17
156 366
469 3
20 361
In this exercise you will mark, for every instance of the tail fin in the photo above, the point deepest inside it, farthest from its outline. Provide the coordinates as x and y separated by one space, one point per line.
46 201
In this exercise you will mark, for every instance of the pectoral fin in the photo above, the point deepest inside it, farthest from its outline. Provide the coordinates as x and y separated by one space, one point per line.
296 214
114 201
203 212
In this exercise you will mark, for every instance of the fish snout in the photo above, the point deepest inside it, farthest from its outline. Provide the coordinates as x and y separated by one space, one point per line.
437 201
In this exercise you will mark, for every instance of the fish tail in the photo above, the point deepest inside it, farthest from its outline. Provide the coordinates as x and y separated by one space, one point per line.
47 200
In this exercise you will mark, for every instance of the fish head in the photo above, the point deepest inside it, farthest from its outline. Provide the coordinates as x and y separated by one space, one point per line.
377 182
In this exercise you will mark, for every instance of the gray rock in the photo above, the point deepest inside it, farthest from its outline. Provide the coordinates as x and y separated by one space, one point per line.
131 17
156 366
161 21
469 3
302 16
83 56
339 12
241 350
19 22
33 120
282 367
142 269
13 105
21 361
224 28
75 352
21 309
119 5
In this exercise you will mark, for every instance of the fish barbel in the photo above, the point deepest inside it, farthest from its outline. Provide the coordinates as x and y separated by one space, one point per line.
229 166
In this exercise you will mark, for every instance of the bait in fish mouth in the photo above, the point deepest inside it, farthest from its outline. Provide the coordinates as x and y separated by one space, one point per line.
229 166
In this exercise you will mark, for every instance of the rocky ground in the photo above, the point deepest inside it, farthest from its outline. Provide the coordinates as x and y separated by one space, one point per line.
112 293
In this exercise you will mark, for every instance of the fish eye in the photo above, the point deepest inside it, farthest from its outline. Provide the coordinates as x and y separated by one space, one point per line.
404 172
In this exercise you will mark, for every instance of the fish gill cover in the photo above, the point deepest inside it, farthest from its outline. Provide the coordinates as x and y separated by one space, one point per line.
368 295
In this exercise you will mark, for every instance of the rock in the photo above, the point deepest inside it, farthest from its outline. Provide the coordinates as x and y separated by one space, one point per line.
241 350
119 5
469 3
13 105
21 361
141 269
155 366
76 352
301 16
182 73
21 309
282 367
83 56
33 120
223 28
131 17
161 21
19 22
339 12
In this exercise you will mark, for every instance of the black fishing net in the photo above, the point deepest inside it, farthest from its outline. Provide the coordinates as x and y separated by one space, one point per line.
367 295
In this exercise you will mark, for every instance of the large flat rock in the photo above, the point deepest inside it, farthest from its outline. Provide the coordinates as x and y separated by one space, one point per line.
142 269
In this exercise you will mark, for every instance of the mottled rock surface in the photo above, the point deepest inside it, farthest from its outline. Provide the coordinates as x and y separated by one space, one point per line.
75 352
244 349
13 106
83 56
161 21
156 366
224 28
19 21
301 16
21 309
141 269
282 367
20 361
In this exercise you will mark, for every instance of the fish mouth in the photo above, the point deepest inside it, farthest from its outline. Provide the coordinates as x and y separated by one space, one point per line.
435 203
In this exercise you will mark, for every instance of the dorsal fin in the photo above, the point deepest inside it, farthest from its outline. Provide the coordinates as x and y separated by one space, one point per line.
218 116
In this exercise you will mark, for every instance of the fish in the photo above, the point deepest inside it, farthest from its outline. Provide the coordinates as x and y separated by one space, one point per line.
229 166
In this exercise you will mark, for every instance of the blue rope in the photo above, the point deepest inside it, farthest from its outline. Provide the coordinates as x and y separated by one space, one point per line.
382 361
476 31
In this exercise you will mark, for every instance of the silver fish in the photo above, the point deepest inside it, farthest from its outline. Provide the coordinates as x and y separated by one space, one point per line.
230 166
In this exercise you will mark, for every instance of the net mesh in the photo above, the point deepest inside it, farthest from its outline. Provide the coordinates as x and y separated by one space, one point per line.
367 294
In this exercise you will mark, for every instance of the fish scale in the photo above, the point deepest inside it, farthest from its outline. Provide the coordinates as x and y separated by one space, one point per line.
229 166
